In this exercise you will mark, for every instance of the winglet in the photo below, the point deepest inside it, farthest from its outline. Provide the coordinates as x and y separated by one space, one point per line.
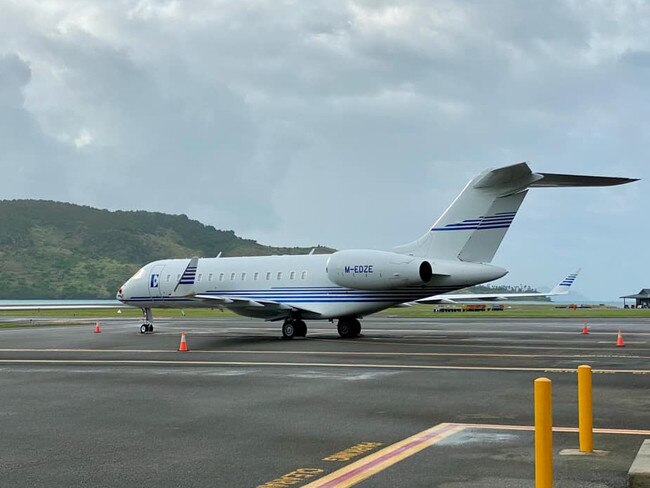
185 286
563 286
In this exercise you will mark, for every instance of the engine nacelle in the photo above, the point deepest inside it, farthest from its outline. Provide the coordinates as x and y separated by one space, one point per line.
377 270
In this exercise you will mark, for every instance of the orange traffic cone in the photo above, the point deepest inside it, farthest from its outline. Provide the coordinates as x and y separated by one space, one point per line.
97 329
619 340
183 345
585 329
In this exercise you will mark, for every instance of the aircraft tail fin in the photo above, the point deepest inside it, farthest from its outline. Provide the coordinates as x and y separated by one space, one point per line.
474 225
562 288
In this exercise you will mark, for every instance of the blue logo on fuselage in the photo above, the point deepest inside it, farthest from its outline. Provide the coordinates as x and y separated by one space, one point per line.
154 280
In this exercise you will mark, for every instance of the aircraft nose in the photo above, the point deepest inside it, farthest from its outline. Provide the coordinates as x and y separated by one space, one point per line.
121 292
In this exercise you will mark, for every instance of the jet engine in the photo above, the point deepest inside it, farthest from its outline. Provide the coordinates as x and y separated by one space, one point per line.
377 270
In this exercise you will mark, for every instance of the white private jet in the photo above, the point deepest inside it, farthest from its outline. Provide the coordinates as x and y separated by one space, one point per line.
452 254
562 288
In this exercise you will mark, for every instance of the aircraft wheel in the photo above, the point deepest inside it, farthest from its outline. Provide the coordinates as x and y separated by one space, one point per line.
301 328
150 327
143 329
348 328
289 329
356 329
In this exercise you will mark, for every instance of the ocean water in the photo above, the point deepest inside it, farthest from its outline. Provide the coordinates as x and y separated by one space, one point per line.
59 302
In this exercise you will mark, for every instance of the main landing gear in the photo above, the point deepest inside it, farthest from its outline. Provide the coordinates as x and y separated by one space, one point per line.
349 327
147 317
294 327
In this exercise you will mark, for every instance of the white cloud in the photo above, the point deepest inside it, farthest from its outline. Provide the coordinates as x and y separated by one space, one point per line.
342 122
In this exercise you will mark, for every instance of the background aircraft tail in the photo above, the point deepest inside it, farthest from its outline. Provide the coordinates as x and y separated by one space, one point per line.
474 225
562 288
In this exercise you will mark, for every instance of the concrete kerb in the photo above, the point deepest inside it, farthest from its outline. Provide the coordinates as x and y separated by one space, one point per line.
639 474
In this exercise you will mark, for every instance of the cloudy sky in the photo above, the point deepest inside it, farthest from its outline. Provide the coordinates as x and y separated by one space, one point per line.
348 123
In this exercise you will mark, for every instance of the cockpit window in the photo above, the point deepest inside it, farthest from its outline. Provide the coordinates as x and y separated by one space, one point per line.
138 275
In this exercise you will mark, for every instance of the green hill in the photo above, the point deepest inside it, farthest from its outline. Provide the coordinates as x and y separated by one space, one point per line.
60 250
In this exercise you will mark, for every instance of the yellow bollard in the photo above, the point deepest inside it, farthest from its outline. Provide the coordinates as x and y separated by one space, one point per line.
585 412
543 434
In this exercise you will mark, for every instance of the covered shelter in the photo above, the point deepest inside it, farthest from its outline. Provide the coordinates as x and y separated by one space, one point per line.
642 298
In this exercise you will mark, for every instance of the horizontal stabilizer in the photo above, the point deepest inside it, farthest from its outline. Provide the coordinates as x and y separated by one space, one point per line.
557 180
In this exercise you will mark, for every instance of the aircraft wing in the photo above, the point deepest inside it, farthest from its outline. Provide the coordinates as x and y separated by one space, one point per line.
235 303
562 288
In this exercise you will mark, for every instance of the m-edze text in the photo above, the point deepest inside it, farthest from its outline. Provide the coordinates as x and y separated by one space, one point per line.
362 268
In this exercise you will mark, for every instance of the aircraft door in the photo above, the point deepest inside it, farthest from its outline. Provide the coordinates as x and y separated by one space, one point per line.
155 281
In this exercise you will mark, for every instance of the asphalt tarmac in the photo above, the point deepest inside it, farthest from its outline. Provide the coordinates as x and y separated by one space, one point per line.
420 402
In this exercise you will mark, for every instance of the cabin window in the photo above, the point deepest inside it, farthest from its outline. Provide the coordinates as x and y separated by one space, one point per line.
268 275
210 277
303 275
232 276
221 276
256 276
243 276
168 276
199 277
292 275
279 275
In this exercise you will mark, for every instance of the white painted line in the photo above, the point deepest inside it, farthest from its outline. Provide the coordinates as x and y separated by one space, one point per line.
138 362
328 353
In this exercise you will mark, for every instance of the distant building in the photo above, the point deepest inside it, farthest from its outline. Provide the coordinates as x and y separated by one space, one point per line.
642 298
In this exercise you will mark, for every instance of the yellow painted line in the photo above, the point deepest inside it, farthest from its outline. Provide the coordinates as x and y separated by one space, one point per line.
370 465
557 429
162 362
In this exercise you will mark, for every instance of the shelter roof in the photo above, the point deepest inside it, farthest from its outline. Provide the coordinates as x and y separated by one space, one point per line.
644 293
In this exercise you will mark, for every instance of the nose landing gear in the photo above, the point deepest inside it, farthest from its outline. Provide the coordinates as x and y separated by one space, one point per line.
147 318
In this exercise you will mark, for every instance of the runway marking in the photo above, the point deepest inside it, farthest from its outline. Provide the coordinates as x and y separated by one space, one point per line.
293 478
397 330
370 465
139 362
379 341
374 463
329 353
354 451
436 329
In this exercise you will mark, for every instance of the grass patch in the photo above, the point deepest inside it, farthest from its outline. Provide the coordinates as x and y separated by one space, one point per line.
416 311
127 312
22 325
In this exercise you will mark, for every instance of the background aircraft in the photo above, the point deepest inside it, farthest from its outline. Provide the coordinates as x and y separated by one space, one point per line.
562 288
